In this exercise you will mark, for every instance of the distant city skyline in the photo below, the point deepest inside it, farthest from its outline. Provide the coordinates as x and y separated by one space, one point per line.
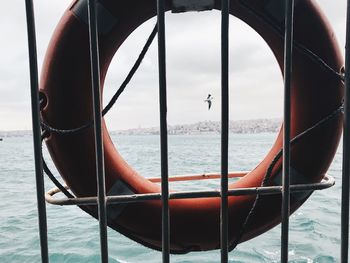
202 127
210 127
193 68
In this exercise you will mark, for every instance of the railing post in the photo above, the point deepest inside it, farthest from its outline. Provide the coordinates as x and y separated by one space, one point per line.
288 54
34 84
100 172
225 7
163 131
346 148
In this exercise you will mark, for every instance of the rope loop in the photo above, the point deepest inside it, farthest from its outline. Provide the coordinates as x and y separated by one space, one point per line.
296 139
115 97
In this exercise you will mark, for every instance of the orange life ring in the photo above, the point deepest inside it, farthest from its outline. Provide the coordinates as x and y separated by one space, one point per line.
195 223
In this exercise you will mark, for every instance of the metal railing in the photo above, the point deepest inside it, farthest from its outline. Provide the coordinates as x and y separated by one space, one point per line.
102 200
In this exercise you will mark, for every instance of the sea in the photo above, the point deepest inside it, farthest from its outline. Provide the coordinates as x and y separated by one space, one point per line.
73 236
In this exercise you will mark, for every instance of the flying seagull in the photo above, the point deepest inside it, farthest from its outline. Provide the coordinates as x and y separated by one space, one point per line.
209 99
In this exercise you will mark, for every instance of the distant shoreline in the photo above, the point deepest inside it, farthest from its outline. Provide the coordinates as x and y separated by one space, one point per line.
198 128
211 127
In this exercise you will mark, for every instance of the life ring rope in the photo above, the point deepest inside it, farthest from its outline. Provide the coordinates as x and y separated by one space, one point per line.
296 44
48 128
49 173
278 156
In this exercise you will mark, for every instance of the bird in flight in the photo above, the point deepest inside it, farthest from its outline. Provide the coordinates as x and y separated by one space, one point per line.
209 99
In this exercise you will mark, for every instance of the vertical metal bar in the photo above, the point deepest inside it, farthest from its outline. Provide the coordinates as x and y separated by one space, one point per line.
163 131
95 81
288 53
34 83
346 148
225 6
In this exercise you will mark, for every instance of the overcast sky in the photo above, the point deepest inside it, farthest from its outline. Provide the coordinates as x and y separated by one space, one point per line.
193 67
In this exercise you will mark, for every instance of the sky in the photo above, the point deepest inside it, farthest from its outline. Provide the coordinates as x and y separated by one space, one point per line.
193 68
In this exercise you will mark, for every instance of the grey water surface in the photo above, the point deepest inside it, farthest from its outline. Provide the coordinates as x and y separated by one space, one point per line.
73 235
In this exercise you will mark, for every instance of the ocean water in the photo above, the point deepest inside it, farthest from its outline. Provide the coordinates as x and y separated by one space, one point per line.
73 235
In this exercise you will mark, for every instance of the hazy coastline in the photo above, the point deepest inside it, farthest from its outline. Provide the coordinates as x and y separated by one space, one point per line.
210 127
203 127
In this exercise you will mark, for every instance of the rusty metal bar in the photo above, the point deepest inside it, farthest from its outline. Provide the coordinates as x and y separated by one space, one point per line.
163 131
34 84
96 91
225 7
208 176
288 53
346 150
327 182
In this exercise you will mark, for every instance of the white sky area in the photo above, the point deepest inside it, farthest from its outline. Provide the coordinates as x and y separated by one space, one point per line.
193 68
